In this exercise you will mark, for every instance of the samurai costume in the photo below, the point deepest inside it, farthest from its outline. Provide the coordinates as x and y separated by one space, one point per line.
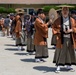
18 32
28 26
40 39
64 53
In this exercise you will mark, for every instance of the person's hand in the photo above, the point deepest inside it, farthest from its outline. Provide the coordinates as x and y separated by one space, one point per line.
68 31
49 22
20 33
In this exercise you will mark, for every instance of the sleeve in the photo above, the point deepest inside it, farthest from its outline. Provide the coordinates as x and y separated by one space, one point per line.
74 25
42 26
55 28
18 27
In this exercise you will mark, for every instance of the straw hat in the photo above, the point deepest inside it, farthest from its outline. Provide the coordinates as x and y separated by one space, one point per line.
65 6
19 10
58 10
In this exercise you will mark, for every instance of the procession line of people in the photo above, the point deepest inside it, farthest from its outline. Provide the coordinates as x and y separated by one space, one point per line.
32 31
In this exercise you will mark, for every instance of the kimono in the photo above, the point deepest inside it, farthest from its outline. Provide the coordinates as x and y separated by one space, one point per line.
19 35
24 36
30 36
64 53
40 38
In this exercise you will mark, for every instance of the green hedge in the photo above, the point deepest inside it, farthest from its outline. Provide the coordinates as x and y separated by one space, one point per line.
7 10
47 8
11 10
2 10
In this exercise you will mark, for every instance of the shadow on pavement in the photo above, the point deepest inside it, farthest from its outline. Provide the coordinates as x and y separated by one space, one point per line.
48 69
9 45
12 49
64 69
28 60
45 68
21 53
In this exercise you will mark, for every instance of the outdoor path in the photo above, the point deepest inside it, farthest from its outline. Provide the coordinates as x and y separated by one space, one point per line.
14 62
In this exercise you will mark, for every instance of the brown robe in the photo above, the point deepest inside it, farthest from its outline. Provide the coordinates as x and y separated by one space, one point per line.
74 34
41 33
40 37
18 29
64 55
56 29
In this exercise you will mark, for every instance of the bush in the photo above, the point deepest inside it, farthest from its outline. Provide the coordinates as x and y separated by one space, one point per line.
11 10
73 8
47 8
7 10
2 10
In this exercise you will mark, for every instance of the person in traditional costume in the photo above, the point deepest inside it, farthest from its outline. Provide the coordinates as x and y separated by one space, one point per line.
24 37
32 20
40 38
65 28
18 32
29 32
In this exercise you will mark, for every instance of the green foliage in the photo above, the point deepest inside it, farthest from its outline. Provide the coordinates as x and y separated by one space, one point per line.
47 8
11 10
73 8
7 10
2 10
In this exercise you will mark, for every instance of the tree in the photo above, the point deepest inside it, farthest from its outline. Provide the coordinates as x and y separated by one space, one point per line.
46 9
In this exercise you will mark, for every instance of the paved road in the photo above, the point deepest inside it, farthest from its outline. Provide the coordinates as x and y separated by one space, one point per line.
14 62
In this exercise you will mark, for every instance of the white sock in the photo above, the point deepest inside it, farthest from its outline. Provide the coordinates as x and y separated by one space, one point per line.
58 68
19 48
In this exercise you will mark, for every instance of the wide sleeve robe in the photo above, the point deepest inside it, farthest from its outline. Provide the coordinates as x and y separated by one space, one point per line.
41 32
